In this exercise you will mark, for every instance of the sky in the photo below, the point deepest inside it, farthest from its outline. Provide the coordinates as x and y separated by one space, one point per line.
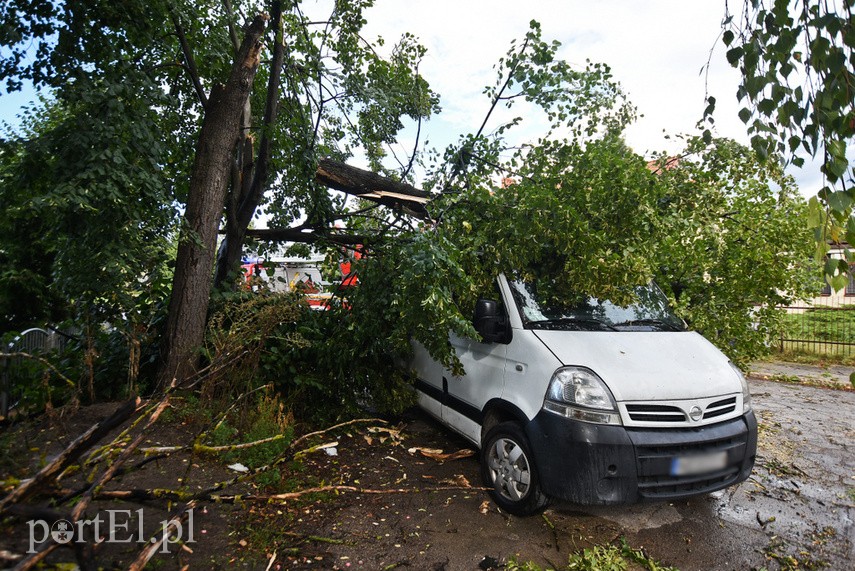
656 49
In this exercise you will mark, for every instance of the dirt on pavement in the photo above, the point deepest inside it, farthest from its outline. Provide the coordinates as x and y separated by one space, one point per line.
797 511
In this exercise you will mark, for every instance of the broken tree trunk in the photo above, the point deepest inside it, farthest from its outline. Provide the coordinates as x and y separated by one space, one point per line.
305 236
356 182
209 181
248 189
372 186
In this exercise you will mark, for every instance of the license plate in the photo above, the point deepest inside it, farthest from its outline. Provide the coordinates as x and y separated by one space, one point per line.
699 464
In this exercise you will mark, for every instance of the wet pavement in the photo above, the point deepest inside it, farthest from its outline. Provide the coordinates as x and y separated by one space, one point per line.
796 511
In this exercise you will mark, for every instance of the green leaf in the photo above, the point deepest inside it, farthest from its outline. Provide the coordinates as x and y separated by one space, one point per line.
839 201
836 168
839 282
815 213
734 55
850 230
837 148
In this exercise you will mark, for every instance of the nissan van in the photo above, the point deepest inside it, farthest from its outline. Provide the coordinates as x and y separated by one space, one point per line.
590 401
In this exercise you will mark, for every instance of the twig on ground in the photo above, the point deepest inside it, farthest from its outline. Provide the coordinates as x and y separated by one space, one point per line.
73 451
175 523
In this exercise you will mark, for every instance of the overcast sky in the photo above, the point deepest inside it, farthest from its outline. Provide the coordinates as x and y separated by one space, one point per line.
656 49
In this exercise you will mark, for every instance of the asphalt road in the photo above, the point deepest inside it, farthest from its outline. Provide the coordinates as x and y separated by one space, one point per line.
797 511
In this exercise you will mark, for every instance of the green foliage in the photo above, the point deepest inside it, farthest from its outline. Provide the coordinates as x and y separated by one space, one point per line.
723 233
601 558
734 245
797 62
84 238
368 93
85 218
239 331
268 418
94 181
340 370
581 209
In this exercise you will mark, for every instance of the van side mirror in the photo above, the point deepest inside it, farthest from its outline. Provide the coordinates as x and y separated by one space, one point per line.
490 322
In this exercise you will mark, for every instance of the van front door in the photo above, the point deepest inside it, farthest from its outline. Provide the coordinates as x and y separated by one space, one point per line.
466 396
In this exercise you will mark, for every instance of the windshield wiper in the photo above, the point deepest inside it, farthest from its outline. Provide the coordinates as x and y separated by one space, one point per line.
664 325
577 321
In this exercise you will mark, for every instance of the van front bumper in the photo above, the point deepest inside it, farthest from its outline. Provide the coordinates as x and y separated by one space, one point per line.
589 463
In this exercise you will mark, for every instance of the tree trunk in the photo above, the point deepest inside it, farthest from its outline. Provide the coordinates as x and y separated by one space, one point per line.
248 191
209 181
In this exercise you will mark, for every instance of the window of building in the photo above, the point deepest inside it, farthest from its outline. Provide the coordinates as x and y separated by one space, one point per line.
850 287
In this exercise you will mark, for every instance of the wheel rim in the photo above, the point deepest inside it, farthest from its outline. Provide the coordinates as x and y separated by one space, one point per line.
509 469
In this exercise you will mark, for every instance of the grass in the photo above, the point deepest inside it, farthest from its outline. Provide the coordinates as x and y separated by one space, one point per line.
814 354
268 419
815 333
835 324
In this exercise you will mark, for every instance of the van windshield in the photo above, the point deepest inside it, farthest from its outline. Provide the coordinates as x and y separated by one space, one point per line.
650 312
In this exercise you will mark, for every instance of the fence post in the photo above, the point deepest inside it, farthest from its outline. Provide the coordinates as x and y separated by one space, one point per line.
4 387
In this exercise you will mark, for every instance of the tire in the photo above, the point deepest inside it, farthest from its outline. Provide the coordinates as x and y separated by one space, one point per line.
508 470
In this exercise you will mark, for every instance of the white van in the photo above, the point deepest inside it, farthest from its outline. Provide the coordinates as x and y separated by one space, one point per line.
587 401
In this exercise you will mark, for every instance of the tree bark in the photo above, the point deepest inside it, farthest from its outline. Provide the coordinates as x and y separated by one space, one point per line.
209 181
356 182
372 186
248 194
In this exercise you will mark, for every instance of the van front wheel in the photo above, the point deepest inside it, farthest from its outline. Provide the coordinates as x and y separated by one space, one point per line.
508 470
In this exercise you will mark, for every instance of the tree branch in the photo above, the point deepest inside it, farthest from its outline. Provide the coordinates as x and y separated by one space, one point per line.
189 60
80 445
371 186
227 5
303 237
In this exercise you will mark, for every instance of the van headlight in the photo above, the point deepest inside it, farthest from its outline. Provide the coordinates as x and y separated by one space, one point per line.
578 393
746 394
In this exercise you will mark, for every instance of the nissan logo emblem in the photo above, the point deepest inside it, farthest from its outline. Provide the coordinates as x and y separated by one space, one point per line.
696 413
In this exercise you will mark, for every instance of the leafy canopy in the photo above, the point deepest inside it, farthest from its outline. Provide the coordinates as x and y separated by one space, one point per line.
721 231
797 63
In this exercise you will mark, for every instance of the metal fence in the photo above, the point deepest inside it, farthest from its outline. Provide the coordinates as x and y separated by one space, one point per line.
33 341
824 326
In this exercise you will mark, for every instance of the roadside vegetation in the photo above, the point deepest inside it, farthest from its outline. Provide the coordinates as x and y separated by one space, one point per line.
819 334
601 558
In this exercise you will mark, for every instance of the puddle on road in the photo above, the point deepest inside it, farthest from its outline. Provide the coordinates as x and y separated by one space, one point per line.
638 517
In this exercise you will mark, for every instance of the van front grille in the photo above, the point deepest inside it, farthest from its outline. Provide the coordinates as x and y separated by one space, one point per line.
655 413
681 413
720 408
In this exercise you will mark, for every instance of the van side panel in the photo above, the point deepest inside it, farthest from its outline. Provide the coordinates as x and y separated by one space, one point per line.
529 368
485 365
428 381
463 425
